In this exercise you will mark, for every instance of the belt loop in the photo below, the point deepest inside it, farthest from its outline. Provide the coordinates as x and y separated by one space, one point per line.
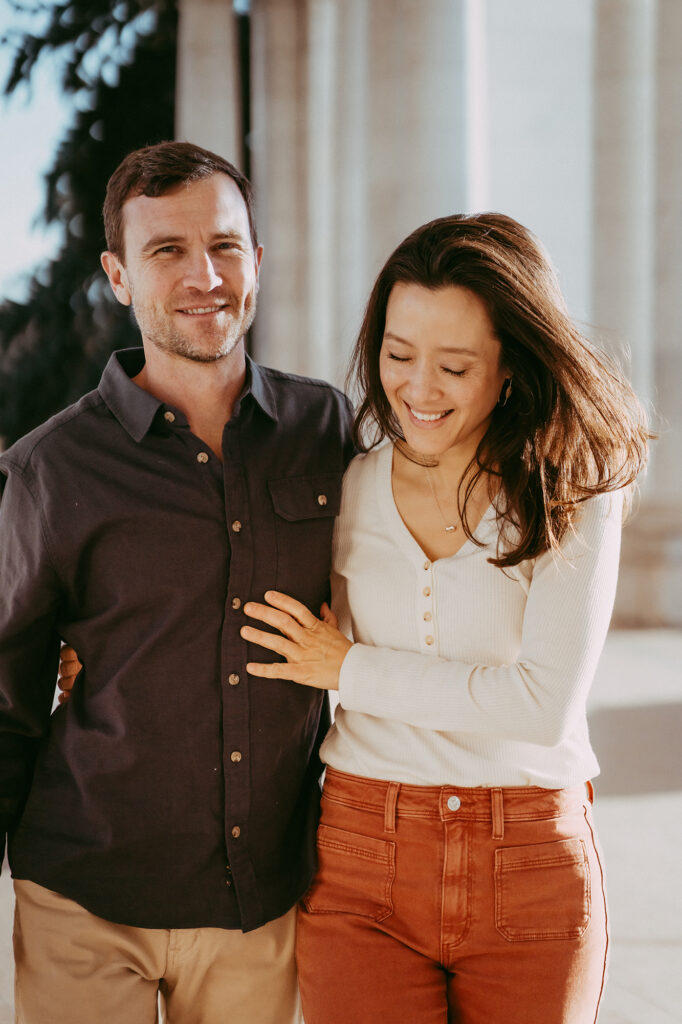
389 808
497 813
590 791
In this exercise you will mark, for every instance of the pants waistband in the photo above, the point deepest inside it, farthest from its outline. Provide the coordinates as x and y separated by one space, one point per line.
495 804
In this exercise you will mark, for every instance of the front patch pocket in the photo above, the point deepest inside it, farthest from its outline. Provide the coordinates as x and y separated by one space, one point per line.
542 891
354 876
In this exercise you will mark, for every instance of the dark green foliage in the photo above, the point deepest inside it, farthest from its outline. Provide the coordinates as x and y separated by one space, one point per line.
120 70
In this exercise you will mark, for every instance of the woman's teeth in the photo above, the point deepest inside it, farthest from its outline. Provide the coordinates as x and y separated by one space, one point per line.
428 417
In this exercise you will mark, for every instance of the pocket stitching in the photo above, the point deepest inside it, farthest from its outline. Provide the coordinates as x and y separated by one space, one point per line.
577 931
385 899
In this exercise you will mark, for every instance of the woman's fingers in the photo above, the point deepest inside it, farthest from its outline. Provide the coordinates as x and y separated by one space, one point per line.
280 620
327 615
69 667
272 641
292 607
69 659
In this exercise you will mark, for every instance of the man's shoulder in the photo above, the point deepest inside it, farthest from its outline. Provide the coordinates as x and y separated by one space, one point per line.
46 437
304 405
285 383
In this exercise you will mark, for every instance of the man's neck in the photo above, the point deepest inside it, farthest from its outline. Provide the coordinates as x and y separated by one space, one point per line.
205 392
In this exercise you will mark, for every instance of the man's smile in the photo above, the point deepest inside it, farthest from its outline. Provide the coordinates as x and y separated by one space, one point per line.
203 310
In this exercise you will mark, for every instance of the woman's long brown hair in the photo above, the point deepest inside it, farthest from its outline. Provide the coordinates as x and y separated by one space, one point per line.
572 427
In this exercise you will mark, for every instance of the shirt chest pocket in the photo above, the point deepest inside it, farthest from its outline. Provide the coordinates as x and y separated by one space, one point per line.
305 509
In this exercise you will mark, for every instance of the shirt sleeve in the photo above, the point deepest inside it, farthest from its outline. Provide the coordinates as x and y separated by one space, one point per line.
539 697
29 642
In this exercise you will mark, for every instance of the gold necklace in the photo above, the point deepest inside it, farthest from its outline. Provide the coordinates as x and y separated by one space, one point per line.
448 528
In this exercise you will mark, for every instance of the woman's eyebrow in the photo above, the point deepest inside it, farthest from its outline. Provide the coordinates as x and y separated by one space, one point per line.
450 349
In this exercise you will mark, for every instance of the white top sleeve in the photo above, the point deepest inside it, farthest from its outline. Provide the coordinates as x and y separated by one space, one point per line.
540 696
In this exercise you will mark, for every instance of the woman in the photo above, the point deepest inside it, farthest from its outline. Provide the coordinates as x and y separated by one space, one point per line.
475 564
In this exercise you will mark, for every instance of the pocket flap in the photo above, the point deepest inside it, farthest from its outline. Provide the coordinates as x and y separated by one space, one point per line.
306 497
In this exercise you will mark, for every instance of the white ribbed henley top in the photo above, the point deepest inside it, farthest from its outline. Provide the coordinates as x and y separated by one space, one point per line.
461 673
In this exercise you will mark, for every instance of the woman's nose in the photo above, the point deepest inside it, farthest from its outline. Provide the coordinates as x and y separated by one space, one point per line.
424 382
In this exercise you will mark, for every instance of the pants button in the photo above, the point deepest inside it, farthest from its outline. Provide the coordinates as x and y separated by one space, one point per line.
454 803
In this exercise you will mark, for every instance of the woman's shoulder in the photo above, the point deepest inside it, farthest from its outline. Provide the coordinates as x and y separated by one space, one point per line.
363 468
600 509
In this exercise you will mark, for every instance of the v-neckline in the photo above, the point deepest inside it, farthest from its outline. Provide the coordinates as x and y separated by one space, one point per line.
409 545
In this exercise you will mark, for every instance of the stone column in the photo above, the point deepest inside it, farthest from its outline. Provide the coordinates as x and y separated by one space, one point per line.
208 99
358 137
638 272
540 92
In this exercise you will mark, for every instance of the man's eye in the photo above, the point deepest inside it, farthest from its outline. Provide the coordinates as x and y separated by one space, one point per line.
166 248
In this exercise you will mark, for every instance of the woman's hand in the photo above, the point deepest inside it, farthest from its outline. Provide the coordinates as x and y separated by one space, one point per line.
69 667
314 648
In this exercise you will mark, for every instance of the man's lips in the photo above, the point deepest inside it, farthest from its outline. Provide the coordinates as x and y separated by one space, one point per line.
203 310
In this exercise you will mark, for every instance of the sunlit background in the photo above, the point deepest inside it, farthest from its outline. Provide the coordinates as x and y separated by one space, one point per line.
357 120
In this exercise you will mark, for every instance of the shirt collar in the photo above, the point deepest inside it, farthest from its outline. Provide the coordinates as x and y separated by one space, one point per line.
260 387
135 408
132 406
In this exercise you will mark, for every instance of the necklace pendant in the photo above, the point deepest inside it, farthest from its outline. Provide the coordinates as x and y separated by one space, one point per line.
450 529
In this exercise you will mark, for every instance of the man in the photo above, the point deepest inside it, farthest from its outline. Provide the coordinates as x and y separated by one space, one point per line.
161 823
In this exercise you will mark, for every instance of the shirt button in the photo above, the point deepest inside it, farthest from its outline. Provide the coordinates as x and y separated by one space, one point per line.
233 679
236 603
429 639
235 757
454 803
202 457
427 616
426 591
427 565
322 499
236 526
169 416
228 883
236 832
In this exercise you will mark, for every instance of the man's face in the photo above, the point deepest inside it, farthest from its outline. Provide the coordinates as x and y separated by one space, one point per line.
189 268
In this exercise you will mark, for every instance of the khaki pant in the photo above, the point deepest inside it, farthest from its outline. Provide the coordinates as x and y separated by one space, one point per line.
75 968
435 904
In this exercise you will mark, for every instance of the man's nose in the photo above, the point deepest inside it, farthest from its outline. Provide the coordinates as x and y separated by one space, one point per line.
201 273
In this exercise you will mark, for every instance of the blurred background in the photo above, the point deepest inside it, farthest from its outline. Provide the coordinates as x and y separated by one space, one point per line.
357 120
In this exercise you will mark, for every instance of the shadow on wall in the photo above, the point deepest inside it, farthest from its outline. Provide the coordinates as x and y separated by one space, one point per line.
639 749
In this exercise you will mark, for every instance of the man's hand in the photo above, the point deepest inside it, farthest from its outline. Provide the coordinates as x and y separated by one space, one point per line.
314 648
69 667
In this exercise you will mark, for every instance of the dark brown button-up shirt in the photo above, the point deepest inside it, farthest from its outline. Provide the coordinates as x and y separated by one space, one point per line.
172 790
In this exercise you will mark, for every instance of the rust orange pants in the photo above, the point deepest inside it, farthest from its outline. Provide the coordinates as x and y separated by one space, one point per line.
457 905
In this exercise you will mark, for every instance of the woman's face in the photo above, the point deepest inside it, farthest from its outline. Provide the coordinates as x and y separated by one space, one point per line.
440 367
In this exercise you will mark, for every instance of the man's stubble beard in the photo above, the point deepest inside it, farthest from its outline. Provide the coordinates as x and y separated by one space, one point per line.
157 330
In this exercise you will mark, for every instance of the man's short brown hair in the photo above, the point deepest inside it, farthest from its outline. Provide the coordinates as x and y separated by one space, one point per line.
155 170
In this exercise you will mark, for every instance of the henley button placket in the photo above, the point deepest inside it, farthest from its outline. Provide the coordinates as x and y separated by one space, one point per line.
425 605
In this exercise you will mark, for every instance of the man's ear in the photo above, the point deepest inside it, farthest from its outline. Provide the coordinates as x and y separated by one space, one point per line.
118 279
258 256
